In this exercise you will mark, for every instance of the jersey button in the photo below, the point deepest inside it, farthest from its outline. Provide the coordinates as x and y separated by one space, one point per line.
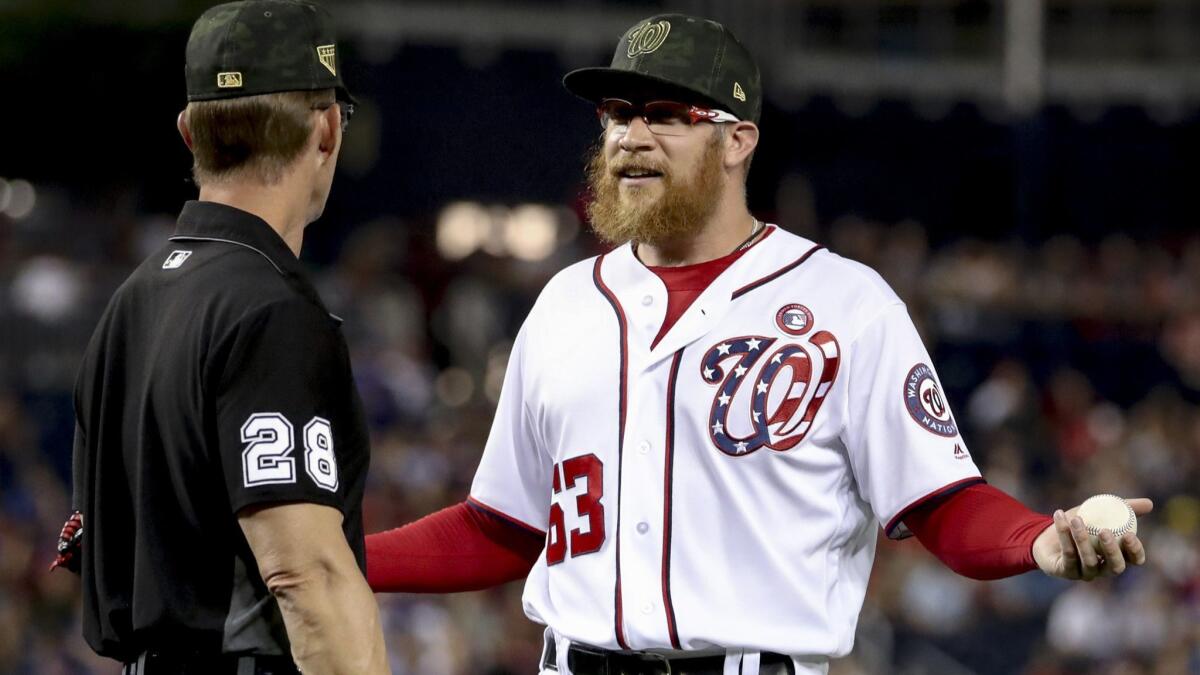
647 608
647 300
643 528
644 447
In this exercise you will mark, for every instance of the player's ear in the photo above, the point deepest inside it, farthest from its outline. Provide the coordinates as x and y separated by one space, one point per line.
184 132
741 138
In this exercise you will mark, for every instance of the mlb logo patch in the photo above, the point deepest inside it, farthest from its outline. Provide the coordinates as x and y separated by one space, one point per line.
175 260
794 319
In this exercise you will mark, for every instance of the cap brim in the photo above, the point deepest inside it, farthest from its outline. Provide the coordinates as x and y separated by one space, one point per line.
343 94
597 84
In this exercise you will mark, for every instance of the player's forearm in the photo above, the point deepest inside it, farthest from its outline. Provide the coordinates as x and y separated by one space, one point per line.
456 549
331 618
979 532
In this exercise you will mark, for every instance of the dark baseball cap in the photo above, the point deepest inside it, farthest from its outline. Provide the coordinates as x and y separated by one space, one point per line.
680 56
262 47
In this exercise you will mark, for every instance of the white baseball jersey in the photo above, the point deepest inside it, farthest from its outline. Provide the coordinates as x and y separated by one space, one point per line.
721 489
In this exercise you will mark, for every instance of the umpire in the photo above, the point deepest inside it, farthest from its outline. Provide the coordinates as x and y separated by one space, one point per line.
221 449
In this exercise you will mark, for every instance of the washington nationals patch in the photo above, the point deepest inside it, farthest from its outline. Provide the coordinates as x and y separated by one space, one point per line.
925 403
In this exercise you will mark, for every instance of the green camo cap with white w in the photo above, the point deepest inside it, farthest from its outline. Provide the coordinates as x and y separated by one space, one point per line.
677 56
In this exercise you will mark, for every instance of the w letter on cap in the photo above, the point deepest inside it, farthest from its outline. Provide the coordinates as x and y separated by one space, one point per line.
738 93
648 37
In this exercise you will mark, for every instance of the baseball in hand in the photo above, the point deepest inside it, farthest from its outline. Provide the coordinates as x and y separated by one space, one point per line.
1107 512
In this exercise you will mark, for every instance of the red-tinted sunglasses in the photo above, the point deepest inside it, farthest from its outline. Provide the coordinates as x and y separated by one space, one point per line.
666 118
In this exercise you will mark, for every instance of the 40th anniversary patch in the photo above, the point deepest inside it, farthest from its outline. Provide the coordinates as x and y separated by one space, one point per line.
925 403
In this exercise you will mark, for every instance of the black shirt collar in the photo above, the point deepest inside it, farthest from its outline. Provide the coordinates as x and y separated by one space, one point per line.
212 221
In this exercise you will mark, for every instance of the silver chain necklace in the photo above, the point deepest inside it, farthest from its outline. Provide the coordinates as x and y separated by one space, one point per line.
758 227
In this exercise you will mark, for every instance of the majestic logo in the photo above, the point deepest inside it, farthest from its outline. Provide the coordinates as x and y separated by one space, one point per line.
925 403
778 408
175 260
794 319
327 54
738 93
229 80
959 453
647 38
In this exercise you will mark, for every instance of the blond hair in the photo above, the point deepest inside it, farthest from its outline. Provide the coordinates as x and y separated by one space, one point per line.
251 137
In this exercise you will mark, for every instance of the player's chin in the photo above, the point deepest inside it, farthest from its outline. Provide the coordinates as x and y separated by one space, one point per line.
641 198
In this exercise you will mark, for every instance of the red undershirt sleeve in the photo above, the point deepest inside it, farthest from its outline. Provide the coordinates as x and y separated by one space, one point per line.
460 548
979 532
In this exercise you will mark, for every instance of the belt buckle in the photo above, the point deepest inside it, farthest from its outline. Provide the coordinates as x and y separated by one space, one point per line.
666 660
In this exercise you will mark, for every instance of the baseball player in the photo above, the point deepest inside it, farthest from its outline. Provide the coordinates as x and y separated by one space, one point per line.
700 431
221 449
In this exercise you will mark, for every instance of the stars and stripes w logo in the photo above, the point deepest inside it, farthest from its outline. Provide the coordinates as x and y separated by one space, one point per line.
766 400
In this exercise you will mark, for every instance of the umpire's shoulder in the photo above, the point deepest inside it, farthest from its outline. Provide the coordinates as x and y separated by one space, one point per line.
226 285
225 268
211 267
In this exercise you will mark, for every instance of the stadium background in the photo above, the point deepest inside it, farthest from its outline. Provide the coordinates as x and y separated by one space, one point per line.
1021 172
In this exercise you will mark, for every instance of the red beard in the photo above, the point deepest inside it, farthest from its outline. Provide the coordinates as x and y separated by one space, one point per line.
633 214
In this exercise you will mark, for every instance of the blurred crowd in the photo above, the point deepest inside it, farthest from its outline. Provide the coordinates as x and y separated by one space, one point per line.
1073 368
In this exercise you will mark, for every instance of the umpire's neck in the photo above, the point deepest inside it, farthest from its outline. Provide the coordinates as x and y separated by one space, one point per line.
283 206
298 197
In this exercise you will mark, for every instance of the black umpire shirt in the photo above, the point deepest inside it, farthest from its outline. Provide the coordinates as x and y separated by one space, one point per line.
216 380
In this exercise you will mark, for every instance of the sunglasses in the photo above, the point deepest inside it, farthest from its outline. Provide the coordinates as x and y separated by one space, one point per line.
346 110
663 118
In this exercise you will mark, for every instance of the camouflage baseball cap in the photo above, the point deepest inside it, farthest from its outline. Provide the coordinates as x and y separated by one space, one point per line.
262 47
680 56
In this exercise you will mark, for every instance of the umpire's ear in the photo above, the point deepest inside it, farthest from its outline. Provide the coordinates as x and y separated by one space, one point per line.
329 131
181 124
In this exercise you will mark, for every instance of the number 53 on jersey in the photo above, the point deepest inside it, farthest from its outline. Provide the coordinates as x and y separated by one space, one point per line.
568 475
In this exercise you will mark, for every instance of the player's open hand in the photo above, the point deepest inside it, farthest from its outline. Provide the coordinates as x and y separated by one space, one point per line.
1064 549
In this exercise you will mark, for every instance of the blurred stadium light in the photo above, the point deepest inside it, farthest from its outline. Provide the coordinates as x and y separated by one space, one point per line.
528 232
461 229
455 387
17 198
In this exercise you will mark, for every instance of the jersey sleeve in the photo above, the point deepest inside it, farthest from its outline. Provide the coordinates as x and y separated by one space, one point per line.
278 415
514 474
902 438
78 466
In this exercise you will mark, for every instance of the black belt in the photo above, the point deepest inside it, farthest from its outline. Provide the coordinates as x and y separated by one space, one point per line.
156 663
595 661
